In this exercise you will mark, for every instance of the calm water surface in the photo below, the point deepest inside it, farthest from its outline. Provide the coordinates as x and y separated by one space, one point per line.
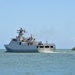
61 62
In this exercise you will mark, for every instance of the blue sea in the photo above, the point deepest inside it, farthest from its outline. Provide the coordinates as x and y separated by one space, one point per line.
62 62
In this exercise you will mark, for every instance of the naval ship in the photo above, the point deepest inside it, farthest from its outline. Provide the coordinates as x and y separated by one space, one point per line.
23 44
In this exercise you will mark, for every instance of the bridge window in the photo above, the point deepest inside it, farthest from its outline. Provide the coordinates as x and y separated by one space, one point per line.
20 43
46 46
14 39
51 46
41 46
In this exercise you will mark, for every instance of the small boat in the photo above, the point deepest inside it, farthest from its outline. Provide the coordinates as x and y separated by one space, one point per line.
47 48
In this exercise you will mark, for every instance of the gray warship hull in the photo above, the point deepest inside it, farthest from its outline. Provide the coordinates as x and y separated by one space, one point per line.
21 49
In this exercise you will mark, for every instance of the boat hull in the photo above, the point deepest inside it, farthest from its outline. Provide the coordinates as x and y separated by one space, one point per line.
19 49
46 51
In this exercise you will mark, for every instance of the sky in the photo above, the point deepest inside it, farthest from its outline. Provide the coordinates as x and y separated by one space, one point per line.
53 20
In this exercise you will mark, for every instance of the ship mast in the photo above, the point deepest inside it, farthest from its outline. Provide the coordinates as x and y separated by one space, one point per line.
46 41
21 32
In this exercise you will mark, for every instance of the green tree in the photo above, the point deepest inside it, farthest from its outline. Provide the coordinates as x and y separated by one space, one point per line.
73 48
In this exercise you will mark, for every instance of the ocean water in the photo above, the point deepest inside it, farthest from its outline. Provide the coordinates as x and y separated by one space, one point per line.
62 62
